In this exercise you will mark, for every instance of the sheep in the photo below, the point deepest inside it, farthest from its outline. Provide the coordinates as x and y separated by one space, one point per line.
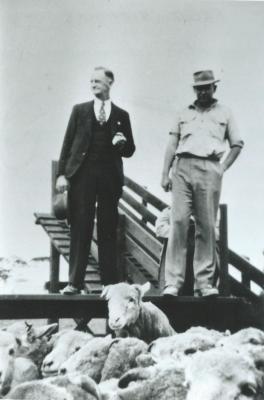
34 340
122 356
24 370
244 336
216 374
8 348
163 381
70 387
129 316
65 343
222 374
90 359
180 346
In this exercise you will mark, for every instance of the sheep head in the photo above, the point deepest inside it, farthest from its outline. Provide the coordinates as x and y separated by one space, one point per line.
124 303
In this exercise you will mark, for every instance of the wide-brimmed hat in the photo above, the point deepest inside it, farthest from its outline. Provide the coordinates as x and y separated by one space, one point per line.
60 205
206 77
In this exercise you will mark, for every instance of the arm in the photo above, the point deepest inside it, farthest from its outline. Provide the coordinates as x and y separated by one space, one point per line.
235 142
67 143
62 183
127 148
169 157
231 157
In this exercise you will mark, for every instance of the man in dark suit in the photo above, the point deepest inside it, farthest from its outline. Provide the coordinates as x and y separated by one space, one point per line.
90 166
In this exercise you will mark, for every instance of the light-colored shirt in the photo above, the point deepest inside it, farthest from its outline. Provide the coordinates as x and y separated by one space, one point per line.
204 132
98 105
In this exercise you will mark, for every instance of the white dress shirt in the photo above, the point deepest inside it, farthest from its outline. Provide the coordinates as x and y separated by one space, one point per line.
98 105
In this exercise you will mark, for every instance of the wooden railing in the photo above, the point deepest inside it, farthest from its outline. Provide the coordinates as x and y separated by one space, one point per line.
141 209
140 249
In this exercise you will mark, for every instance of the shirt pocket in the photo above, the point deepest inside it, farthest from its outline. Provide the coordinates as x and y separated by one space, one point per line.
219 127
187 126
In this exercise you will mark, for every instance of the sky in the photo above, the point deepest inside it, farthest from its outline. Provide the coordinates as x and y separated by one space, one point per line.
48 51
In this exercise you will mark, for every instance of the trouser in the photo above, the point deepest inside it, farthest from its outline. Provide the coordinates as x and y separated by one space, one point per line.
94 184
196 187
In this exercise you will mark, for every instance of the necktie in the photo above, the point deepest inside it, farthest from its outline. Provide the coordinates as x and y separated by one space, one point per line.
102 116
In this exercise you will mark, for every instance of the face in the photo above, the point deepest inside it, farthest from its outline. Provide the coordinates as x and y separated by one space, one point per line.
205 94
100 84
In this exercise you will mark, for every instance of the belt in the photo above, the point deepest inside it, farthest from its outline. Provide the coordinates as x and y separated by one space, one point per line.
212 157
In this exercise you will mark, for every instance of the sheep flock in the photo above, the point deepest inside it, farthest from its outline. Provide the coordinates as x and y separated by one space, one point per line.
143 358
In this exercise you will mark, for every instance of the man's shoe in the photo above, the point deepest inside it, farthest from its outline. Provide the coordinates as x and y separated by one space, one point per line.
170 290
208 291
70 290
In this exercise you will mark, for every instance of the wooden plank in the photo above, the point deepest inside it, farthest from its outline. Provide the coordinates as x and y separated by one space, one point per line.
244 266
137 274
143 211
145 194
62 242
147 241
55 229
143 258
51 306
139 221
183 312
239 290
60 236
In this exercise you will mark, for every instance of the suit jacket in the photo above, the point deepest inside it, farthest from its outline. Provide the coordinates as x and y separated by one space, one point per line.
78 138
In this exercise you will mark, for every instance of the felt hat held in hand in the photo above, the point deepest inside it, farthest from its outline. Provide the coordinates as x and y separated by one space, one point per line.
60 205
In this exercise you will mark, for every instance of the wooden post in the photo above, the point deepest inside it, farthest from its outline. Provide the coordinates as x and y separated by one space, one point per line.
122 273
246 280
54 269
54 254
224 286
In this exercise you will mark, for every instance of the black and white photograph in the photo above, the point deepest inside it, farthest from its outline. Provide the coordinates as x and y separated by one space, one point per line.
131 200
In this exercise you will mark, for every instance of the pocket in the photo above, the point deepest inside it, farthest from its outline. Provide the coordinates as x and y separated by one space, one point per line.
187 126
220 125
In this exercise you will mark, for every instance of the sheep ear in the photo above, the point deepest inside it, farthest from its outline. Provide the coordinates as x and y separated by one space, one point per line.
145 288
105 292
142 289
46 330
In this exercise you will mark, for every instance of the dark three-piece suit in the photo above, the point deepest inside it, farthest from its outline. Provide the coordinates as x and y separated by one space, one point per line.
94 168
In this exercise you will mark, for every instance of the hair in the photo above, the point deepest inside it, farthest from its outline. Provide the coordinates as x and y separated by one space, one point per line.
108 73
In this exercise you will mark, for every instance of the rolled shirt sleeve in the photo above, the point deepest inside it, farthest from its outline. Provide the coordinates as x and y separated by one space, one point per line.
232 132
175 126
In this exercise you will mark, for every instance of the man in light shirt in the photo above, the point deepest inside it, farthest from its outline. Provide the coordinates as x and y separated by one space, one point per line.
90 166
198 139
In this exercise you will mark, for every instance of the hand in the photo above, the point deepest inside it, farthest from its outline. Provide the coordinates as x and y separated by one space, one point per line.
166 183
62 184
119 139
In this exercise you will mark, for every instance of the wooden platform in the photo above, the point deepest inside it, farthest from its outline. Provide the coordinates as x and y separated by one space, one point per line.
139 253
221 313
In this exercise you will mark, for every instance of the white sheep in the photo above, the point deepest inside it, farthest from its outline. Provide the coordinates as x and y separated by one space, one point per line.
122 356
244 336
65 343
90 359
70 387
162 381
185 344
8 349
34 340
130 316
222 374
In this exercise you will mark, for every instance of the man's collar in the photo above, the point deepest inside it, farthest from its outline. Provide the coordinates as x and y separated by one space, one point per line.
98 102
195 106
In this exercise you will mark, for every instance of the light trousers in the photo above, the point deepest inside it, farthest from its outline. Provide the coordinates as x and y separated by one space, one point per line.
196 188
